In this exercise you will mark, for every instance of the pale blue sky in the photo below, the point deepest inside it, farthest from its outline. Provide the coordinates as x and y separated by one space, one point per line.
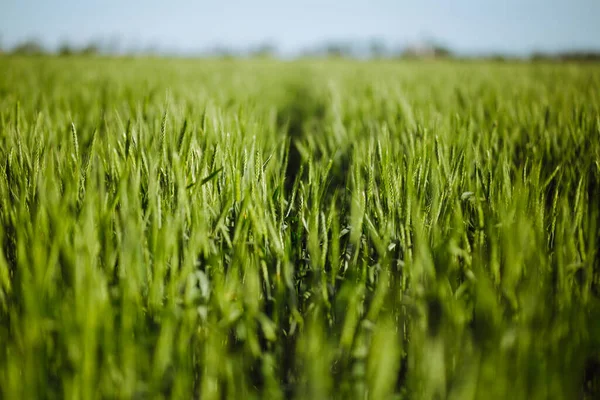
513 26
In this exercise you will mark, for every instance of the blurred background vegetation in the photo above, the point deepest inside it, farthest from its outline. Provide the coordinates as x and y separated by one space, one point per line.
366 49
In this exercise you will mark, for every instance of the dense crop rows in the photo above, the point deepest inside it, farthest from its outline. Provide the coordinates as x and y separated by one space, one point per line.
248 229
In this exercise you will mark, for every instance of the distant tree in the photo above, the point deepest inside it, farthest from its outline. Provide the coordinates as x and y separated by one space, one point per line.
90 49
264 50
580 56
440 51
65 49
29 47
338 50
539 56
377 48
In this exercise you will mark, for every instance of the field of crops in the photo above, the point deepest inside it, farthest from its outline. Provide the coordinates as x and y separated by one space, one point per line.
308 229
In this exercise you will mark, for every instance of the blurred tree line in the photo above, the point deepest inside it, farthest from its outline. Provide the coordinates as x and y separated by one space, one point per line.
370 49
32 47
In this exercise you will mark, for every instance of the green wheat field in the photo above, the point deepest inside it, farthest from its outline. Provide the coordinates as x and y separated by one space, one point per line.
261 229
